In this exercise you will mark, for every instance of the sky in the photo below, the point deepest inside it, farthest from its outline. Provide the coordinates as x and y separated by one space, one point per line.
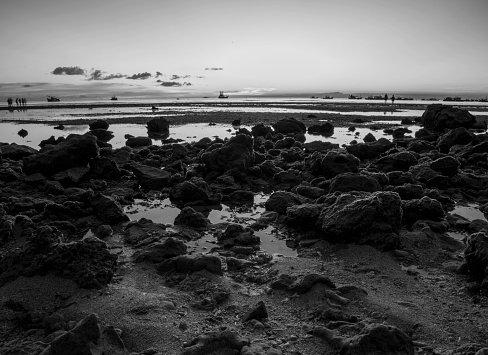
265 47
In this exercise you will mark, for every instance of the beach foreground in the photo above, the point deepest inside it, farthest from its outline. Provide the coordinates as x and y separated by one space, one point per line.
372 224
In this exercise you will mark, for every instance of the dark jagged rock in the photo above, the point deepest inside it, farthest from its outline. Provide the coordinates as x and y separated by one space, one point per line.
138 142
194 191
72 176
102 134
370 150
448 165
98 124
336 162
16 152
350 217
378 339
237 153
190 218
76 150
258 312
438 117
354 182
456 136
149 177
476 256
326 129
400 161
300 284
224 342
369 138
424 208
310 191
136 231
158 252
303 216
105 168
279 201
238 235
158 126
289 125
108 210
185 264
318 146
407 191
260 130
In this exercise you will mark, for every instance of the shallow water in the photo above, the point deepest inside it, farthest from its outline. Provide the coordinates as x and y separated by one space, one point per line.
470 212
162 211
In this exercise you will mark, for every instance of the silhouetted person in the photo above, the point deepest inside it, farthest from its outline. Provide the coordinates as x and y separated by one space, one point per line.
386 98
9 102
393 99
17 101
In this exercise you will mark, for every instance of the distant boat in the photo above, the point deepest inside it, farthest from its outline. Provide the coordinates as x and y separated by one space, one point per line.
375 97
114 98
455 98
52 99
222 96
354 97
327 97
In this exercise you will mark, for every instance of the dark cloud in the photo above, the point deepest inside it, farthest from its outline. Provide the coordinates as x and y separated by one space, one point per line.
214 68
97 74
200 77
141 76
158 74
176 77
173 83
68 71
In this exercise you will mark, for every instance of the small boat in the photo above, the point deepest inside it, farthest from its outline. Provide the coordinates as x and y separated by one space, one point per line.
222 96
375 97
354 97
52 98
114 98
327 97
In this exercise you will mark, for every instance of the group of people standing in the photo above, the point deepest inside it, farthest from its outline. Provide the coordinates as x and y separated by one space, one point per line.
19 102
392 99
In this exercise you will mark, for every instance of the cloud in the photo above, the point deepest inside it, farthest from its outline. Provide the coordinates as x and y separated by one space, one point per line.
68 71
176 77
158 74
173 83
97 74
214 68
141 76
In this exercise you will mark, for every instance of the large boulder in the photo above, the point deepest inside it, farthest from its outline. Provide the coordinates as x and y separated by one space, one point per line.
354 182
400 161
15 151
158 126
336 162
194 191
76 150
237 153
289 125
149 177
326 129
354 216
438 117
456 136
108 210
158 252
371 150
279 201
138 142
424 208
447 165
319 146
260 130
476 256
98 124
190 218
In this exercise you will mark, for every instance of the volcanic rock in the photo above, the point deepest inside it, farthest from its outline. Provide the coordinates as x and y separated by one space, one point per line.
289 125
16 152
438 117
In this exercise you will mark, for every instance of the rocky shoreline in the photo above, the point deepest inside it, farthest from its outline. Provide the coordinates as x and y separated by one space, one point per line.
377 272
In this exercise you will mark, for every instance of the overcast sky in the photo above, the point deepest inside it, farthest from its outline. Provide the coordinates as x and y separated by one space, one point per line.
202 46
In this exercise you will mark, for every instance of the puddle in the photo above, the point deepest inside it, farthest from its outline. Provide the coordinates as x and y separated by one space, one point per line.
162 211
469 211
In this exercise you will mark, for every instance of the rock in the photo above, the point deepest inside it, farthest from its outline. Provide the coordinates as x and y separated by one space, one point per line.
424 208
456 136
236 234
237 264
303 216
319 146
478 225
194 191
353 182
369 138
336 162
350 217
420 146
289 125
102 134
224 342
16 152
378 339
258 312
237 153
476 256
310 191
158 126
326 129
371 150
158 252
138 142
108 210
260 130
239 197
300 284
136 231
75 151
185 264
106 168
72 176
438 117
447 165
401 161
407 191
149 177
279 201
191 218
88 337
104 231
98 124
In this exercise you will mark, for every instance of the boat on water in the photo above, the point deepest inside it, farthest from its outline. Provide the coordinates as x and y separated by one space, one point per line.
222 96
52 98
375 97
455 98
114 98
327 97
354 97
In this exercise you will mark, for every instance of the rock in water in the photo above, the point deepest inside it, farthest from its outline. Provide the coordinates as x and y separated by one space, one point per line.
158 126
438 117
